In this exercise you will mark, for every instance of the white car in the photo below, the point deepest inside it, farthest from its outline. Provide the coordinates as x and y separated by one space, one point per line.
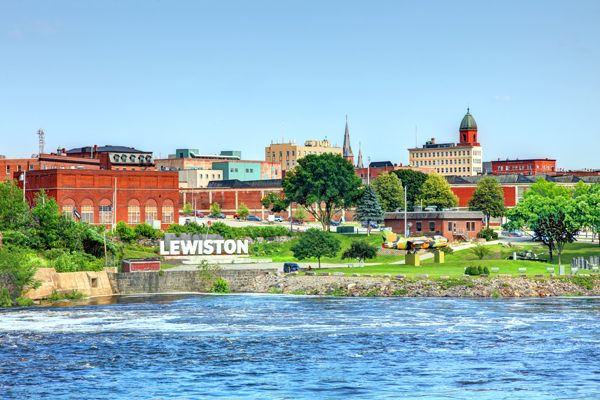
513 233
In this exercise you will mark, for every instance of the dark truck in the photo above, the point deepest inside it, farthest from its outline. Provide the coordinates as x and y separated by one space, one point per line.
290 267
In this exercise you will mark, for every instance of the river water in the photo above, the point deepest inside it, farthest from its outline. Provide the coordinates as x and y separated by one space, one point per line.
297 347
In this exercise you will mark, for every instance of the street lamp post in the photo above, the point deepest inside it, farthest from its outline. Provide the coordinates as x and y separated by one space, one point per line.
405 211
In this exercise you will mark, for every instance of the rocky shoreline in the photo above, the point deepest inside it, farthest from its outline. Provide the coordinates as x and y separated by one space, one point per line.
386 287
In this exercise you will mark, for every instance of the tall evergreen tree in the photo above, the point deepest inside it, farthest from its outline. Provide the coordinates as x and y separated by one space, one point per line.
369 209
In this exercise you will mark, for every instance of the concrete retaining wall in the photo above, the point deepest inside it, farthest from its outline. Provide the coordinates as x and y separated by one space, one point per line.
179 281
90 283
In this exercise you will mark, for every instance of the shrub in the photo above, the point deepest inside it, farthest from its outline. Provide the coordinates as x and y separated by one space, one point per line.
299 292
220 286
472 270
264 249
488 234
481 270
17 271
481 250
486 270
447 250
126 233
73 295
400 292
274 290
24 301
145 230
360 250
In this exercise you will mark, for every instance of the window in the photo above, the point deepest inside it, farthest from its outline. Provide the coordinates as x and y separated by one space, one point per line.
87 212
151 212
251 170
288 162
468 169
450 226
45 167
246 170
168 212
68 211
133 214
231 170
18 168
280 153
304 153
218 176
213 176
468 227
431 226
105 214
8 169
468 151
419 226
31 167
288 153
293 162
293 152
236 170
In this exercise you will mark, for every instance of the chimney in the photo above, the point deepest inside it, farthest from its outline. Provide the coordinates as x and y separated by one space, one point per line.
95 148
432 140
395 165
498 159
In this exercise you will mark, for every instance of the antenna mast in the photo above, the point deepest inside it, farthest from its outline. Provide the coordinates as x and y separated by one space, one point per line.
40 133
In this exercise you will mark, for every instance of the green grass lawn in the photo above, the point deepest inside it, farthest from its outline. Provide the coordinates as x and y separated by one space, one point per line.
500 253
453 269
285 254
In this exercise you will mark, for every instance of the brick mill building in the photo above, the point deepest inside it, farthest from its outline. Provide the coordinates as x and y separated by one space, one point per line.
118 158
535 166
12 167
92 196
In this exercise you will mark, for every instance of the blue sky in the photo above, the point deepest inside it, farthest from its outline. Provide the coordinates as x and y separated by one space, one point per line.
225 75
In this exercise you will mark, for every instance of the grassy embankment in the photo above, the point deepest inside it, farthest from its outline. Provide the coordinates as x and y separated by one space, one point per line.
456 262
286 255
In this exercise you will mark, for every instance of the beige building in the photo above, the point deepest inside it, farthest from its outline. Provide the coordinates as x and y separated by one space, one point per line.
289 153
448 158
198 178
460 159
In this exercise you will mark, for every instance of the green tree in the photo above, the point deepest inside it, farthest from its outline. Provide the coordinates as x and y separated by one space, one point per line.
315 243
413 182
588 206
481 250
300 213
127 233
14 212
436 192
275 202
488 197
360 250
17 271
389 191
242 211
187 209
323 185
368 209
145 230
554 220
47 221
547 189
215 209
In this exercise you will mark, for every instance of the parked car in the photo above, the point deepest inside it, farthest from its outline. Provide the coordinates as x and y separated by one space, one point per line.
513 233
290 267
296 221
220 216
278 218
374 225
253 218
335 223
198 214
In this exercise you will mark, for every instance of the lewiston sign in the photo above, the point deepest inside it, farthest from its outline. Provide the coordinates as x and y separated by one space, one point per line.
190 247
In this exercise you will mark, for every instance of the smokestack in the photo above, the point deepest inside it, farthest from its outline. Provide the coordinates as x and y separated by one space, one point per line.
432 140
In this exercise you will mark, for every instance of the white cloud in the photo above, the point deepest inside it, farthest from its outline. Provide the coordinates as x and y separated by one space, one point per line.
15 33
505 97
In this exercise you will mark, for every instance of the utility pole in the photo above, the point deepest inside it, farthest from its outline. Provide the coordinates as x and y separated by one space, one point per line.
368 170
24 184
405 211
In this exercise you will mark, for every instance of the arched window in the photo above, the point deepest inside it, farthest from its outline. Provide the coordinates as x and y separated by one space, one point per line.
133 212
68 207
105 212
474 138
151 211
87 211
168 212
464 137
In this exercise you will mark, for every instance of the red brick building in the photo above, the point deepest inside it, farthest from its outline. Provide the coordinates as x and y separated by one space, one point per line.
116 157
536 166
92 196
230 194
10 167
376 168
453 225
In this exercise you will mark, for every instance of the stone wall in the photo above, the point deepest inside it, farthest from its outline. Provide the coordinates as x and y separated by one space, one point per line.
179 281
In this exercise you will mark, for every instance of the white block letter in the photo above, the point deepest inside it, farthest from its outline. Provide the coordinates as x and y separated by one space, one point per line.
229 246
188 247
219 244
174 247
163 252
242 247
208 247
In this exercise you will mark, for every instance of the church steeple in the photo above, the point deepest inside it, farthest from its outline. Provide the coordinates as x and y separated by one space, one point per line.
347 150
359 164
